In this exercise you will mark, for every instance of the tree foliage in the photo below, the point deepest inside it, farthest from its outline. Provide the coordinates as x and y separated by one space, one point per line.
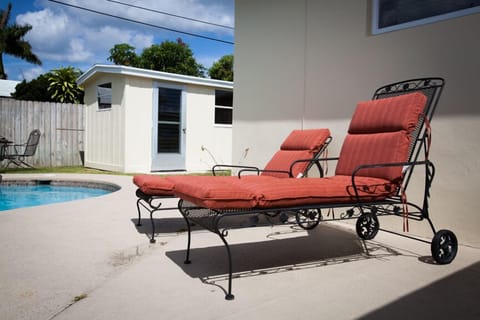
222 69
12 43
62 85
58 85
123 54
169 56
34 90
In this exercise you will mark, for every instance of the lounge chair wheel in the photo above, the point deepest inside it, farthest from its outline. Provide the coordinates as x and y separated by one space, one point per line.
367 226
308 219
444 246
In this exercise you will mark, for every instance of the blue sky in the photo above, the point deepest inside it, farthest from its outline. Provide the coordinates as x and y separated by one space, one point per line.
65 36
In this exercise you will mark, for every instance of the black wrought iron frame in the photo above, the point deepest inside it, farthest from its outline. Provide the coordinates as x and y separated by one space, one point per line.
153 204
444 243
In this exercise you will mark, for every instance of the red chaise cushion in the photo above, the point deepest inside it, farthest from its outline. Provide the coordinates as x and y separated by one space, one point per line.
217 192
153 185
379 133
299 145
251 192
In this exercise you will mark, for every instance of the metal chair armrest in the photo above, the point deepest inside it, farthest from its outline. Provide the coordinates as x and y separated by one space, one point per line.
214 168
258 171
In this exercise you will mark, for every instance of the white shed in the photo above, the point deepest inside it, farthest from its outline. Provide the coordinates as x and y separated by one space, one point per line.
140 120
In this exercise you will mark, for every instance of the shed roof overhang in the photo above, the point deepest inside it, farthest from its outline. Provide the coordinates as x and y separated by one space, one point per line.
152 74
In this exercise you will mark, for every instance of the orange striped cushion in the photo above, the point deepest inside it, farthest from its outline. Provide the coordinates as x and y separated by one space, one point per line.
251 192
282 161
364 149
311 191
309 139
153 185
379 133
216 192
388 114
299 145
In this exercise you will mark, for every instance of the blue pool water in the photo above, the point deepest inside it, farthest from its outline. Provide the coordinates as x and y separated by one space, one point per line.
20 196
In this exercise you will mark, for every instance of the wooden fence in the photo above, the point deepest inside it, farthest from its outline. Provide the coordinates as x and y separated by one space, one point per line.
62 127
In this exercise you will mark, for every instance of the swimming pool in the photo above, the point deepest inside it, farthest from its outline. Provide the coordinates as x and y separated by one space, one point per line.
20 194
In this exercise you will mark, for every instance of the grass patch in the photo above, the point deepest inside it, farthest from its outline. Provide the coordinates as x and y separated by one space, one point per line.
84 170
78 169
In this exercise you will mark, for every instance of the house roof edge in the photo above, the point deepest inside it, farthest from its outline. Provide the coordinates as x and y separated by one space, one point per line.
152 74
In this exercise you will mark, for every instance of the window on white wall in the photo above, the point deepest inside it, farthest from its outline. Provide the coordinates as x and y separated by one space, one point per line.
223 106
104 96
391 15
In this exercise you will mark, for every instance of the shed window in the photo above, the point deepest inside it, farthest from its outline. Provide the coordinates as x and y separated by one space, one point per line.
104 96
223 107
391 15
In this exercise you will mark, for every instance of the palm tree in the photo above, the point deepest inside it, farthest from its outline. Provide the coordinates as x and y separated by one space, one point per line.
12 43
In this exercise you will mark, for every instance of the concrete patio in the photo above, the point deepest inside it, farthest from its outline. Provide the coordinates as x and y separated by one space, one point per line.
88 260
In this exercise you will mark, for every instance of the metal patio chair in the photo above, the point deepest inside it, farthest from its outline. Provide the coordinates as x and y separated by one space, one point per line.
17 153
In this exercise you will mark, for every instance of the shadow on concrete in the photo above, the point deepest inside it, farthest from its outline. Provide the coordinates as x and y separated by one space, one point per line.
170 225
162 225
453 297
285 251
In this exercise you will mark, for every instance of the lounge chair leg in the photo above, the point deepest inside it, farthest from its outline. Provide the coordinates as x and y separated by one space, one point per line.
187 258
229 295
184 212
139 221
152 239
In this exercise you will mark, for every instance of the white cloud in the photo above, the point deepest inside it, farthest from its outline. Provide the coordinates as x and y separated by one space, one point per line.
51 33
62 35
46 25
107 36
32 73
216 11
77 51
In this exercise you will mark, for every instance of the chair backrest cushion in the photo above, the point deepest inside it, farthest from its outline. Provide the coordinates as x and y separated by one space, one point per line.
309 139
388 114
282 160
300 144
380 133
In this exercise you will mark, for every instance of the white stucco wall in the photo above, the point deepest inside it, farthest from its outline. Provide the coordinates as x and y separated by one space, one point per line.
138 101
207 144
105 134
305 64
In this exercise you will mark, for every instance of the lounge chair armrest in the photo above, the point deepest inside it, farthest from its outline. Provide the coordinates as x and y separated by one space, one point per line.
328 159
258 171
393 164
313 161
430 171
216 167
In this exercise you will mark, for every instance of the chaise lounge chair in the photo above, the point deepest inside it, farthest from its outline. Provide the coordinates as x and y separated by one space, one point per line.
388 138
297 154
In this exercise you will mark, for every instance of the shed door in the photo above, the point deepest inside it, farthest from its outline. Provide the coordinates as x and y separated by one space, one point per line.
168 130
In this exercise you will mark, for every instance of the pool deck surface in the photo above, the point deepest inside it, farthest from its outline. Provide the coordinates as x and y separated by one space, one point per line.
87 259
